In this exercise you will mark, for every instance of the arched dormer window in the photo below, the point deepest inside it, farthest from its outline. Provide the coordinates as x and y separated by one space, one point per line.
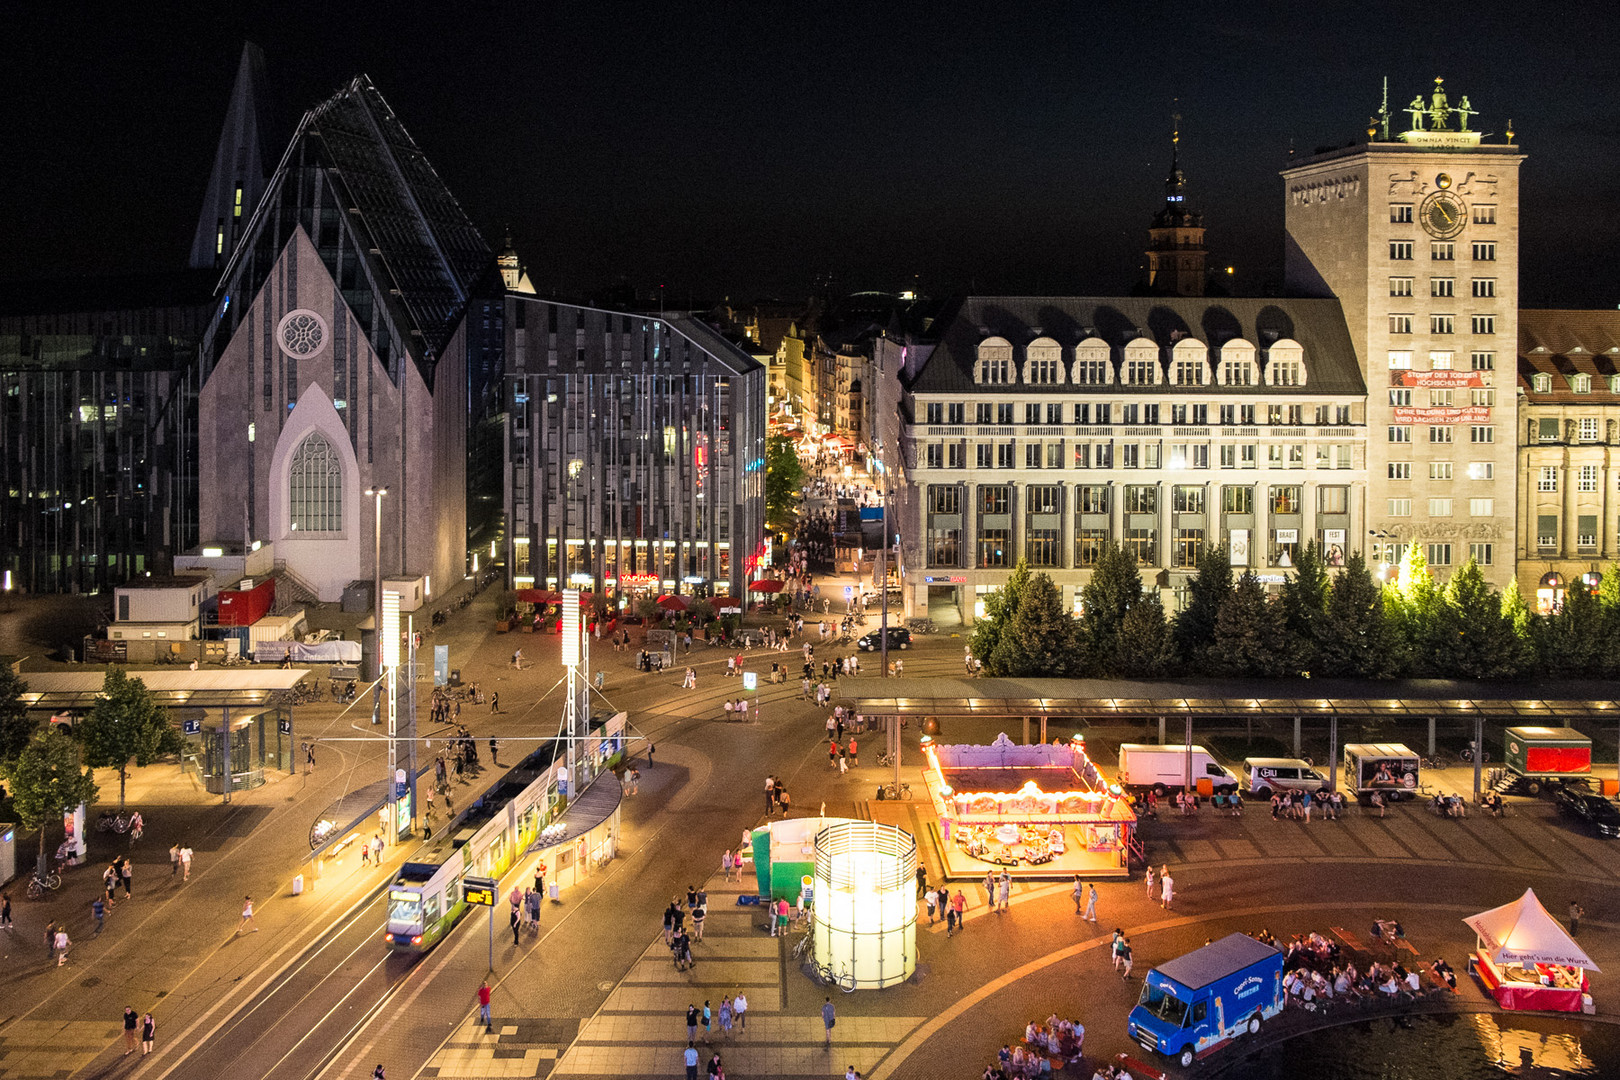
994 367
1189 362
1285 364
1043 362
1142 363
1092 364
315 487
1237 363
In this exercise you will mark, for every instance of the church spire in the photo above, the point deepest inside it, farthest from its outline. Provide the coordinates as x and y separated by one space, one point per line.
1176 254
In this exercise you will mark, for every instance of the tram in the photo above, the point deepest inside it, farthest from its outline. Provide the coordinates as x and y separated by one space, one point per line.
485 840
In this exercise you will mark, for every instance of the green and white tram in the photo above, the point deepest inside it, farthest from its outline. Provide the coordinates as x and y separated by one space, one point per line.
485 840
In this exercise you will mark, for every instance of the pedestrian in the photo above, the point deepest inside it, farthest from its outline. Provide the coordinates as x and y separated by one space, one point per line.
98 911
708 1020
650 749
109 880
148 1033
137 826
5 912
782 917
247 915
1575 913
377 849
1078 893
377 1073
516 922
739 1006
691 1023
854 752
495 702
726 1016
128 872
494 748
699 913
50 937
1114 946
691 1058
174 861
1125 958
782 800
931 897
725 863
132 1020
669 925
60 945
1005 894
959 905
1167 889
1147 877
309 757
483 1003
829 1017
185 863
843 762
1091 904
365 854
922 881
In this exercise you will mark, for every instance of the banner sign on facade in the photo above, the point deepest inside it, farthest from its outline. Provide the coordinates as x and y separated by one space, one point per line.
1333 546
1240 547
1437 380
1463 414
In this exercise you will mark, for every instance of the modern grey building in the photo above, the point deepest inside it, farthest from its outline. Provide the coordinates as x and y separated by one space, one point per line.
635 452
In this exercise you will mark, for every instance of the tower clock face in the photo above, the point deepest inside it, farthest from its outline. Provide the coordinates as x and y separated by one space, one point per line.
1443 215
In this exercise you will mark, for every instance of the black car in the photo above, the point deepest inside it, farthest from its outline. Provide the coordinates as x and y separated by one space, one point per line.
899 638
1595 810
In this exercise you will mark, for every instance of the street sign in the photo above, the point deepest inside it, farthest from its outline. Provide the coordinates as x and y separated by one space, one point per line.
441 665
284 726
750 680
478 890
849 591
187 727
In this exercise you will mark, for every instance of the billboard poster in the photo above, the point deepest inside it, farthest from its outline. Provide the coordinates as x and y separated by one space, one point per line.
1333 546
1388 774
1240 547
1461 414
1437 380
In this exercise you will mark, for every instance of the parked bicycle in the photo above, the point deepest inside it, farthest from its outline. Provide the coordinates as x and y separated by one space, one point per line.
885 761
114 822
891 791
38 883
842 977
1473 748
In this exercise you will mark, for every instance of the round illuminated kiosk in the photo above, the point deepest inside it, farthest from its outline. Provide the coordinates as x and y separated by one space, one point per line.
866 903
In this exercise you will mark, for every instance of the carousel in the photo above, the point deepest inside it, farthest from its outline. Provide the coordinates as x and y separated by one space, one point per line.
1042 811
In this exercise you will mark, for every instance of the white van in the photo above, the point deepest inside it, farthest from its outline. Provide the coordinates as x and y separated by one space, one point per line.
1263 775
1164 768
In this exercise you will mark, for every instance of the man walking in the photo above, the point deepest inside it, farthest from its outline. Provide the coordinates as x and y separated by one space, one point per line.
1005 895
174 861
1167 889
1125 958
1091 905
828 1018
185 863
691 1024
739 1008
691 1062
483 1003
1575 913
1079 892
959 905
98 911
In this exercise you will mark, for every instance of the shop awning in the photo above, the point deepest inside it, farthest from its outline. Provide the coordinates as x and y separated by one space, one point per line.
671 602
766 586
537 596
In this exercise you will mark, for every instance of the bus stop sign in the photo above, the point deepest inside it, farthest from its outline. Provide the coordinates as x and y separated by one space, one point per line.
477 890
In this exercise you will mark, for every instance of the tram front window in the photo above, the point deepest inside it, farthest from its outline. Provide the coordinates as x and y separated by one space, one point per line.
404 907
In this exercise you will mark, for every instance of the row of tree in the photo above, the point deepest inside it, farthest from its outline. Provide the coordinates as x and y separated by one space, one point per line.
1337 624
47 770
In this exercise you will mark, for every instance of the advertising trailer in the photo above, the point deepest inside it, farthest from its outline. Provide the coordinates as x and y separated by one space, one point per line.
1391 769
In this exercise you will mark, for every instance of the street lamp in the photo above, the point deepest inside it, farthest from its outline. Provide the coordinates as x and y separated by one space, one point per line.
376 493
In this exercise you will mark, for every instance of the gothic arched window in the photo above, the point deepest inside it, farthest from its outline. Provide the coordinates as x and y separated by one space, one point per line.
316 482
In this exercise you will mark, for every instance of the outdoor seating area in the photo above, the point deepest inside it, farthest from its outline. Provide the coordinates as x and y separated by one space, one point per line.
1045 1049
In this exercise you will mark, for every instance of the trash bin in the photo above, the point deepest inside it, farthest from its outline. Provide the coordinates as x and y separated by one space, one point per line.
455 676
298 885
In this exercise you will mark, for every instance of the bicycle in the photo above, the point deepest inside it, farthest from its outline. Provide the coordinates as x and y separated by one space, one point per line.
1431 763
110 822
843 978
37 884
804 945
889 791
1473 748
885 760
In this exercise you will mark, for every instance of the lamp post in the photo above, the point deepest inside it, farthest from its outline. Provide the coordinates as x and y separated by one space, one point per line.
376 494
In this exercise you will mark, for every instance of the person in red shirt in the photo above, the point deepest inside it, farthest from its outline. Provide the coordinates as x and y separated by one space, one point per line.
483 1003
832 752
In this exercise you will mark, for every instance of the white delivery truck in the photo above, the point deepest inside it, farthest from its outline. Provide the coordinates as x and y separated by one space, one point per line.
1389 769
1164 769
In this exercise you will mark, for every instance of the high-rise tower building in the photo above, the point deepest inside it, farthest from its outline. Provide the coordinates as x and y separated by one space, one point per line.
1418 238
1176 254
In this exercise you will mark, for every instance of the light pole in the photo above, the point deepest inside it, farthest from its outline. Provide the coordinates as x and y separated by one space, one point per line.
376 494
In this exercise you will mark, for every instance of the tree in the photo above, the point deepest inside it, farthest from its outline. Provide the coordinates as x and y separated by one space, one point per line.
126 723
1481 642
1304 606
1193 630
1143 650
1250 640
1567 641
1039 640
16 727
999 608
1416 603
47 778
784 481
1115 587
1358 640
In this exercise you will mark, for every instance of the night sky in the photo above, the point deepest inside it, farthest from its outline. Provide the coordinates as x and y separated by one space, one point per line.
747 150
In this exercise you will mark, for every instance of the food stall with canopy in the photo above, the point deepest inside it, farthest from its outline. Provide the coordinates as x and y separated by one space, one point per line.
1525 960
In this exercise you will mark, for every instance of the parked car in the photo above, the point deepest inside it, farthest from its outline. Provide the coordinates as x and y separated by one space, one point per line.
899 638
1595 810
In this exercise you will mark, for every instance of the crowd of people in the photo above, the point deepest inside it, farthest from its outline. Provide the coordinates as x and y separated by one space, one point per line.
1319 975
1046 1048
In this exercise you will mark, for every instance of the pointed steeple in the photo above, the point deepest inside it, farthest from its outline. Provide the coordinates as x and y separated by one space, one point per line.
1176 254
240 171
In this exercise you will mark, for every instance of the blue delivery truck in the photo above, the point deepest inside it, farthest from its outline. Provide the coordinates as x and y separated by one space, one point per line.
1205 998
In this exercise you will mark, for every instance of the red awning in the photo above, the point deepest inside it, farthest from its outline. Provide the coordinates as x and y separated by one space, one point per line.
728 603
537 596
766 585
672 602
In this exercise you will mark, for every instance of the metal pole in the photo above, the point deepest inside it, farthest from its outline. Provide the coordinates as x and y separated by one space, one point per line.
1296 736
492 937
1188 759
225 750
1333 751
410 720
1479 754
883 588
